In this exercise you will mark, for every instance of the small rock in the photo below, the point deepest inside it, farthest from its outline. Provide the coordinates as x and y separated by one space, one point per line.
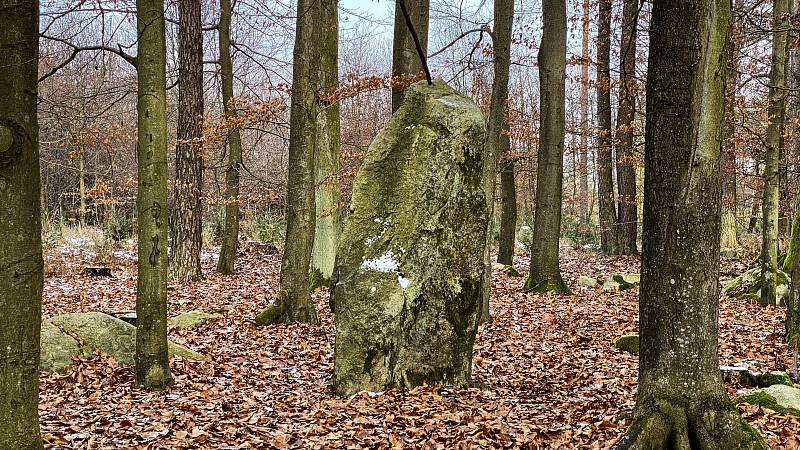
774 378
588 282
629 343
780 398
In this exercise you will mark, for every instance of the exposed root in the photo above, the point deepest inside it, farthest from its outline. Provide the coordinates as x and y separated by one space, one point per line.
664 424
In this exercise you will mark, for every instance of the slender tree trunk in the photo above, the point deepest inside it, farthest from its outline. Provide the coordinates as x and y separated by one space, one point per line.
21 262
405 59
230 236
497 140
728 235
682 402
152 360
756 202
545 274
326 148
294 303
82 188
626 156
605 161
508 209
770 202
583 160
187 215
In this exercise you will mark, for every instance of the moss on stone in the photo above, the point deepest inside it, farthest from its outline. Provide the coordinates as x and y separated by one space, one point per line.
764 399
629 343
269 315
626 281
775 377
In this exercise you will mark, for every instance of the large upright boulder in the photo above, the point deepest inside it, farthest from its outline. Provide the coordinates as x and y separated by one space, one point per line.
409 266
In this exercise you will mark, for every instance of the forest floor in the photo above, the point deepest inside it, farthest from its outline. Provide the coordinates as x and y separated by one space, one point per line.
546 373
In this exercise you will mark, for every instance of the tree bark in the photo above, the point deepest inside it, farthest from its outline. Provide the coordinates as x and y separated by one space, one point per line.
230 237
626 156
294 303
583 158
326 146
405 60
605 179
497 140
152 360
770 202
793 300
21 262
728 235
187 215
508 210
545 274
682 401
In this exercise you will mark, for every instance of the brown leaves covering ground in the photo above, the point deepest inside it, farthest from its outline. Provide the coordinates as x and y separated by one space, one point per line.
546 375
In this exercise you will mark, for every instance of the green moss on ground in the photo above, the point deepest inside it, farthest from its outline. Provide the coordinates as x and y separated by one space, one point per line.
628 344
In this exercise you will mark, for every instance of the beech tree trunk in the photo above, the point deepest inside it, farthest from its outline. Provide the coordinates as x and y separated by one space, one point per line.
770 202
682 402
545 274
728 235
21 264
605 162
626 156
497 140
508 210
187 216
326 148
294 302
230 237
152 360
405 59
583 159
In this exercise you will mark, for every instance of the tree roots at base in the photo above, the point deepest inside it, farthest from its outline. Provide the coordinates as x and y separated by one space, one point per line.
700 426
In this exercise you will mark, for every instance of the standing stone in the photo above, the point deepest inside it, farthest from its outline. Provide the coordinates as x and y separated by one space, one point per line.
409 270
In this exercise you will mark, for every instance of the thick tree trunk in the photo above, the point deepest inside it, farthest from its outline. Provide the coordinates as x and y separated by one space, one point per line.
326 147
606 208
405 59
21 262
230 236
152 360
682 402
545 275
497 140
583 159
626 156
187 239
294 303
793 114
728 234
793 300
770 202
